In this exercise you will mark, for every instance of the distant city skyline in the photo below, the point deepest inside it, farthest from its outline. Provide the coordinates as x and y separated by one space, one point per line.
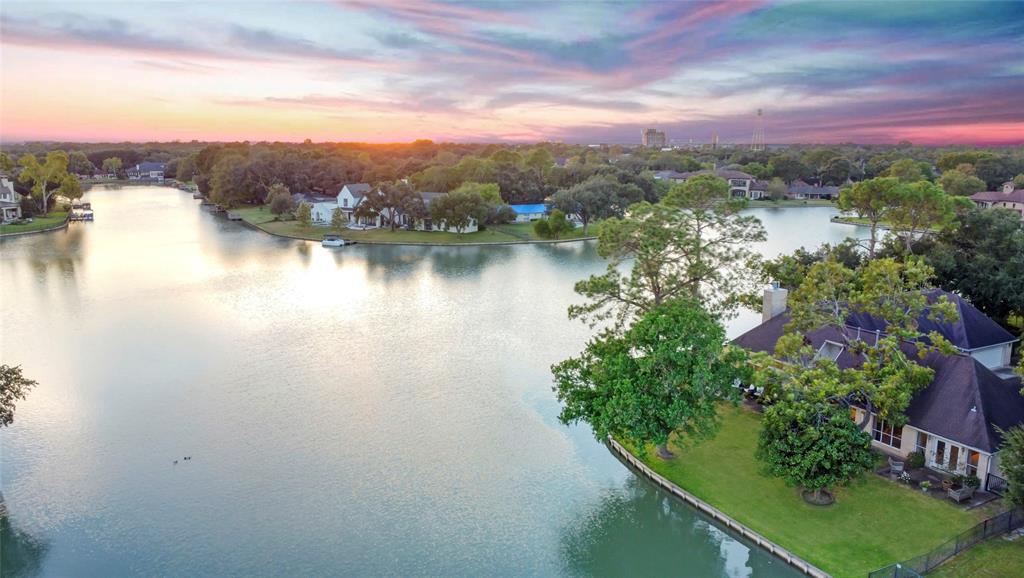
580 72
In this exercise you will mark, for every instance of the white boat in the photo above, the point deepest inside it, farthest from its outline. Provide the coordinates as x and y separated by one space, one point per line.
333 241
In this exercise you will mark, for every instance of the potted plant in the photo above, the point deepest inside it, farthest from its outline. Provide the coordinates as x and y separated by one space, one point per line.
905 478
915 460
925 486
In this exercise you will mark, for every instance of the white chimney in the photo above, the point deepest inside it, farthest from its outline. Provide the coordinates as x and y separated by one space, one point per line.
1008 187
774 301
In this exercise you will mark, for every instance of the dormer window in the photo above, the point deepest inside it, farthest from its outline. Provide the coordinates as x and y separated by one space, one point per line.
829 350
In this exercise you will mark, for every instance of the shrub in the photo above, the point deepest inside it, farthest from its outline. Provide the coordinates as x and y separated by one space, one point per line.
916 459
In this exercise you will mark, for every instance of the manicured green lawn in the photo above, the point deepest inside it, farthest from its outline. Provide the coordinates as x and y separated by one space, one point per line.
262 218
38 223
525 231
997 558
872 524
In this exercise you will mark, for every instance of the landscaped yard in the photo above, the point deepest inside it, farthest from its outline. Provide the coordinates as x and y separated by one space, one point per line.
997 558
262 218
872 524
38 223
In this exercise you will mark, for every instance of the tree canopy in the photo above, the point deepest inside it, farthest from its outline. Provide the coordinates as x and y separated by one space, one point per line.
664 375
14 386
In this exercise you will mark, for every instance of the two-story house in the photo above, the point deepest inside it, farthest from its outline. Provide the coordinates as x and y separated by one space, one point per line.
953 421
10 200
741 184
1009 197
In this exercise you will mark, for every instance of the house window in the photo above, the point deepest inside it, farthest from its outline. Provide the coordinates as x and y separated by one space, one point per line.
885 433
344 202
972 462
922 442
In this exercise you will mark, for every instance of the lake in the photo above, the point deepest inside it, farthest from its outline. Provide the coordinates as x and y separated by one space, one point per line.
367 410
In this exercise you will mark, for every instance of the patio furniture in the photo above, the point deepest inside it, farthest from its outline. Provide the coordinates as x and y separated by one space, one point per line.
896 467
960 494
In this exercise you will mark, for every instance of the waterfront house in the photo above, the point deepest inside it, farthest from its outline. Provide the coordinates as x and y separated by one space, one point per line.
147 171
527 213
953 420
427 223
1008 197
321 208
800 190
350 196
10 200
741 184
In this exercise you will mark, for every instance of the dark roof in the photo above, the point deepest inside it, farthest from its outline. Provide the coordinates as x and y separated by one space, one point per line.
358 189
759 185
1015 196
428 197
149 166
973 330
965 401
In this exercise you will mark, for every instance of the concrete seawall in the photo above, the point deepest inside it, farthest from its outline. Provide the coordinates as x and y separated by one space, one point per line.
716 514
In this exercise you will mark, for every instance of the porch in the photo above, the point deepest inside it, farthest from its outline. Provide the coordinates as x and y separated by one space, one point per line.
935 479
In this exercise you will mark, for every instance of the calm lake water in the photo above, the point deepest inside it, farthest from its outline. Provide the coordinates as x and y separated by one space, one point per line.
358 411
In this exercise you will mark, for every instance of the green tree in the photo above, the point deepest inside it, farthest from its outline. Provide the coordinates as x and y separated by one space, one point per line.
51 172
554 226
540 160
80 164
70 188
391 200
956 182
112 165
871 200
777 189
13 386
887 379
599 197
921 207
338 220
983 260
910 171
696 243
788 168
459 209
813 444
1011 460
664 375
279 198
6 164
304 214
227 182
837 171
1018 181
187 169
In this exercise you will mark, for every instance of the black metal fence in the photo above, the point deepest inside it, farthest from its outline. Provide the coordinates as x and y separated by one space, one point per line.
996 484
996 525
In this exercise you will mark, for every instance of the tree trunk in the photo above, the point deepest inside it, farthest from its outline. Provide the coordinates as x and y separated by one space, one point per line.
817 495
664 453
871 244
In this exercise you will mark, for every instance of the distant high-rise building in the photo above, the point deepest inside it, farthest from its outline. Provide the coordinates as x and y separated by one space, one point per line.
714 141
654 138
757 143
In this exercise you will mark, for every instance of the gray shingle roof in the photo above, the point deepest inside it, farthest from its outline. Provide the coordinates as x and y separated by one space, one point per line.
358 190
964 402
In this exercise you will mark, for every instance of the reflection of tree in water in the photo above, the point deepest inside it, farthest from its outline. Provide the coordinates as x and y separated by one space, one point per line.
62 250
640 530
22 554
465 261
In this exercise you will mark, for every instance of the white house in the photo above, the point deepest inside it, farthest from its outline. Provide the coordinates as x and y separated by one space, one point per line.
147 171
350 196
321 209
10 201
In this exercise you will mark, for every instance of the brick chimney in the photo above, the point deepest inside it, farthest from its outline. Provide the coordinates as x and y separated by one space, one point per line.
774 301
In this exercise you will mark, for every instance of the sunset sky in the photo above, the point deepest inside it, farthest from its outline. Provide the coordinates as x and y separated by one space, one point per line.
388 70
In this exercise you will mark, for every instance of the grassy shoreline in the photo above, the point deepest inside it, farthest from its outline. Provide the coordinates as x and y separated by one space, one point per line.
515 233
54 220
873 523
